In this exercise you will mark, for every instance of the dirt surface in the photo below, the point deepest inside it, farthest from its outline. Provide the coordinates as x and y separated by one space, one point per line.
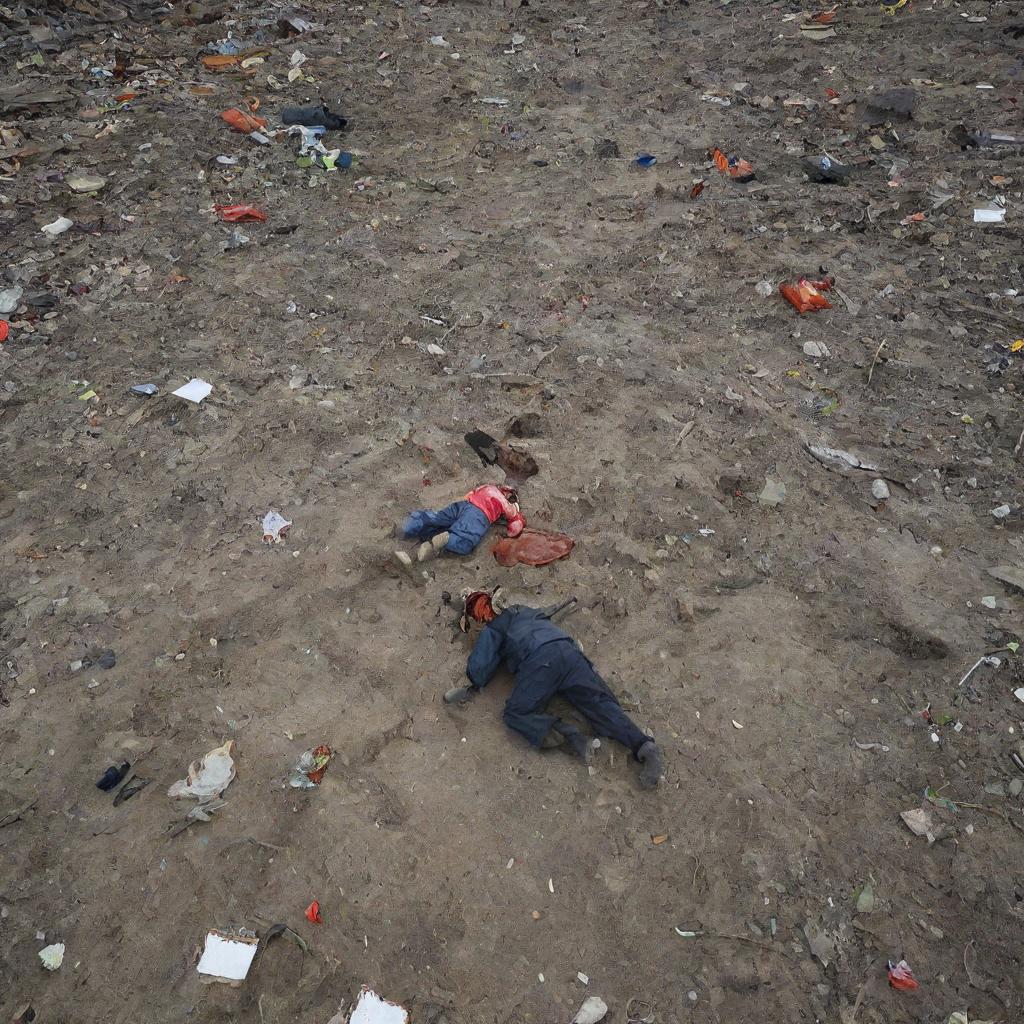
765 646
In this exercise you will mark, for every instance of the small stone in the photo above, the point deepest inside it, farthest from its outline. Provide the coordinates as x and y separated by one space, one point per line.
816 350
107 660
989 602
764 289
773 493
1016 787
880 489
76 665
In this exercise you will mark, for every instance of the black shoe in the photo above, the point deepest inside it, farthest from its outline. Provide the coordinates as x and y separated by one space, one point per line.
650 757
460 694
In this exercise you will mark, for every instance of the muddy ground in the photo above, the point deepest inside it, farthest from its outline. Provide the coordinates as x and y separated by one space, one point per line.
767 657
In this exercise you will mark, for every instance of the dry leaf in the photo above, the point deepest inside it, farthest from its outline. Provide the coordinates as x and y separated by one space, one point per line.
658 840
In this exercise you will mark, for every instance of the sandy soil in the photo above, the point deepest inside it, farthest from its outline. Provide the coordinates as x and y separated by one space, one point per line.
625 314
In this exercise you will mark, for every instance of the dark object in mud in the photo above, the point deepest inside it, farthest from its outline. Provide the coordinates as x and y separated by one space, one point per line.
311 116
112 776
824 171
893 104
491 452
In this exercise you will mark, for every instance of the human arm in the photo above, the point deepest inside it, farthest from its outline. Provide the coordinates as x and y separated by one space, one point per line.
486 657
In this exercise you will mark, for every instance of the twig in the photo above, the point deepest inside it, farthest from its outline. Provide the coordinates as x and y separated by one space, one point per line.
874 361
1017 446
767 947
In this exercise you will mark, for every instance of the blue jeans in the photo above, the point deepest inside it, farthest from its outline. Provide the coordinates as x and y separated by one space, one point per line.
561 669
465 523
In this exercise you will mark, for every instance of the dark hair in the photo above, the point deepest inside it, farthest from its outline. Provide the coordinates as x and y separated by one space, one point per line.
513 495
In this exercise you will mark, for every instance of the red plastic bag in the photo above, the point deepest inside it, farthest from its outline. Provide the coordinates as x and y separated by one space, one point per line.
236 214
805 296
313 913
532 547
901 977
243 122
5 330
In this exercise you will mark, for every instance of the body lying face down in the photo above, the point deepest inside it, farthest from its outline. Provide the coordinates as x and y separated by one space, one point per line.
546 662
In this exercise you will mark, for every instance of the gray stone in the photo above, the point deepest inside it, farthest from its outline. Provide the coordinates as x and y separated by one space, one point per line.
880 489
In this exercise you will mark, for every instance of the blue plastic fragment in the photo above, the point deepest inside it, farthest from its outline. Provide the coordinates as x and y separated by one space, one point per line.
344 161
645 160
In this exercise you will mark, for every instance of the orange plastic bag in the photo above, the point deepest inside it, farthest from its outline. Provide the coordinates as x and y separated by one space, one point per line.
805 296
532 547
243 122
313 913
240 214
736 167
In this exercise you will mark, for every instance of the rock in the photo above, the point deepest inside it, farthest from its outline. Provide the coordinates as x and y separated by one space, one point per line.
684 606
773 493
764 289
1001 511
1008 574
880 490
107 660
816 350
866 899
592 1011
989 602
80 181
1016 787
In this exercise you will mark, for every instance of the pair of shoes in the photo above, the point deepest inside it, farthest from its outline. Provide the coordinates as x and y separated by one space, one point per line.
429 548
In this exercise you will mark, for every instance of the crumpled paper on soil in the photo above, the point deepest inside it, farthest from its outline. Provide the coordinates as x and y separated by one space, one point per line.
209 776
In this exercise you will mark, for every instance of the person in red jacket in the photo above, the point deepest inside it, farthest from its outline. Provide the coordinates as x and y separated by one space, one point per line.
462 525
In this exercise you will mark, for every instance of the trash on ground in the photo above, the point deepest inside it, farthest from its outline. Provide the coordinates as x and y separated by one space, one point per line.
226 957
645 160
112 776
773 493
309 769
10 298
194 391
239 213
57 227
532 547
243 122
1001 511
921 822
594 1009
901 977
146 390
836 458
317 115
83 182
866 899
5 330
989 659
313 913
371 1009
825 171
275 526
805 296
209 776
52 956
735 167
994 213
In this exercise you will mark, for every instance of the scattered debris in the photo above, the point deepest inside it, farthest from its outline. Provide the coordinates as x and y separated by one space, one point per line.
52 956
805 296
733 166
313 913
112 776
57 227
275 526
594 1009
239 214
194 391
836 458
880 490
318 115
370 1008
227 957
145 390
901 977
209 776
309 769
921 822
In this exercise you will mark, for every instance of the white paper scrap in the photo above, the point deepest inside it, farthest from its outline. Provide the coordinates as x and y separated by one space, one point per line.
371 1009
194 391
227 958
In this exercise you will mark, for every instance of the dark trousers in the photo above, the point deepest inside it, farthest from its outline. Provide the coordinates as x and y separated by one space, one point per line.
465 523
561 669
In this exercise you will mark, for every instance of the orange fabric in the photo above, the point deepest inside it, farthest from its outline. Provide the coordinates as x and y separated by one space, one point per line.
532 547
243 122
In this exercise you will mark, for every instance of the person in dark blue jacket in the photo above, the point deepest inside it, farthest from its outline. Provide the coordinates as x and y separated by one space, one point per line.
546 662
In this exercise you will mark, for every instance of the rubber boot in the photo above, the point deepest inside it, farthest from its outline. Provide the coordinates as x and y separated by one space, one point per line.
650 758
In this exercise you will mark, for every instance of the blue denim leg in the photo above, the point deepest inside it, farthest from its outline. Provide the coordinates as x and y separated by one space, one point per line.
424 524
537 682
468 530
